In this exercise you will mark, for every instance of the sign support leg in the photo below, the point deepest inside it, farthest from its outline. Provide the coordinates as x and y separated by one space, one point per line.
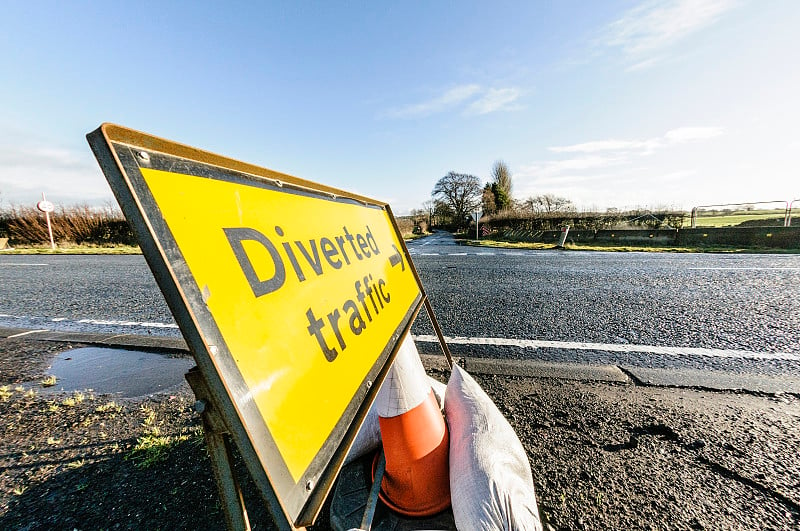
438 330
372 500
219 450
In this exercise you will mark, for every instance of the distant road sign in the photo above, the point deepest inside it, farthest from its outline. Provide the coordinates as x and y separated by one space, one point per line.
292 296
45 206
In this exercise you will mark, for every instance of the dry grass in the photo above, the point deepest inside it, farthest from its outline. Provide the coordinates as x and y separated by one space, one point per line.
68 248
25 225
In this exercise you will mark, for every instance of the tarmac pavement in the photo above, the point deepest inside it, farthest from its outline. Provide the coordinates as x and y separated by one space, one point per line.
615 447
719 380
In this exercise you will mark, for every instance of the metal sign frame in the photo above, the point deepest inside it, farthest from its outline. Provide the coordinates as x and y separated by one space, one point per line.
122 153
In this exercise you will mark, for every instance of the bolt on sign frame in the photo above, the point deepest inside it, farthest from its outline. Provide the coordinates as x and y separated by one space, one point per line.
292 296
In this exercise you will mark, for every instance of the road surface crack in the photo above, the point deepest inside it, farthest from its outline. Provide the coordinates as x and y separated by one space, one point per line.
667 434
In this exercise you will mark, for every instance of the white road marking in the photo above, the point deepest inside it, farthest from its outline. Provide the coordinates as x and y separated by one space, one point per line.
103 322
418 252
95 322
615 347
510 342
159 325
744 268
23 264
107 323
27 333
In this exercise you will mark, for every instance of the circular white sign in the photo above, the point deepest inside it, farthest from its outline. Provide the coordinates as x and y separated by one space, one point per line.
45 206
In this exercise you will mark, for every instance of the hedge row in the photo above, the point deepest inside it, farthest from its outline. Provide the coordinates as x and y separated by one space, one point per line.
78 225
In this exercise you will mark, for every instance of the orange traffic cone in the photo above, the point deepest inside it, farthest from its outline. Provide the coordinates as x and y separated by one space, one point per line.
415 439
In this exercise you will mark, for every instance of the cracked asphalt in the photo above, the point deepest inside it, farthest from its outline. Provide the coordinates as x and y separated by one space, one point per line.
611 456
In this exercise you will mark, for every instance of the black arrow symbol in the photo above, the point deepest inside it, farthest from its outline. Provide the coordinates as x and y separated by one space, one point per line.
397 258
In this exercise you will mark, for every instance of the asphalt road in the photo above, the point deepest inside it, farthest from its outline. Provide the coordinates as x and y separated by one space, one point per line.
694 311
739 311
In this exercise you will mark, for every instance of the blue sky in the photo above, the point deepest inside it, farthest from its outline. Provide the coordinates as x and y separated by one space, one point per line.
611 104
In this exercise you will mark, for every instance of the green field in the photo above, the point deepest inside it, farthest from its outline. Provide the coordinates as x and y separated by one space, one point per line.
735 218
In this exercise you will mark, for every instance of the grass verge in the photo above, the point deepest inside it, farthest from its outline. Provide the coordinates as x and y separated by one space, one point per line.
73 249
408 236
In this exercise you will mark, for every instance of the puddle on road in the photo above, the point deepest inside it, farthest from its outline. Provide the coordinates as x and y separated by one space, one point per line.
126 373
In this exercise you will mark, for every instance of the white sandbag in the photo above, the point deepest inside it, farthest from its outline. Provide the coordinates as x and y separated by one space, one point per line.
491 485
368 438
439 390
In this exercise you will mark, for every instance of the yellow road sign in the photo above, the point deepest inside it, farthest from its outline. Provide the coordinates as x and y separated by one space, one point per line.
292 296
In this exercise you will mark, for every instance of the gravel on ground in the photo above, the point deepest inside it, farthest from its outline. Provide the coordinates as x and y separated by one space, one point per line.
603 455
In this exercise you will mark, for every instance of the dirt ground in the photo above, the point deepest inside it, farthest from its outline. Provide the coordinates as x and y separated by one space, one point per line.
604 456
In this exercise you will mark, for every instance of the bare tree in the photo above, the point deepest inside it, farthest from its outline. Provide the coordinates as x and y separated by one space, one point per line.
441 214
549 203
460 192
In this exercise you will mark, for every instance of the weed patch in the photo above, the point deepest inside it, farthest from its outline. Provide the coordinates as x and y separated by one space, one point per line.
109 407
154 446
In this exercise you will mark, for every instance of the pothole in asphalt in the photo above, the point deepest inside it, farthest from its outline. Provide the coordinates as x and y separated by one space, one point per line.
126 373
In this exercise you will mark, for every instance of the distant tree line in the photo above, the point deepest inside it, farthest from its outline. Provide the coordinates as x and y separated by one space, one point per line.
609 219
457 195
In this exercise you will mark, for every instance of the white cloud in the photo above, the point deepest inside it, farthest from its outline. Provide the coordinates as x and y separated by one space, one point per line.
604 145
692 134
615 172
678 176
554 168
644 65
28 168
679 135
655 25
556 183
14 156
451 98
472 99
494 100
